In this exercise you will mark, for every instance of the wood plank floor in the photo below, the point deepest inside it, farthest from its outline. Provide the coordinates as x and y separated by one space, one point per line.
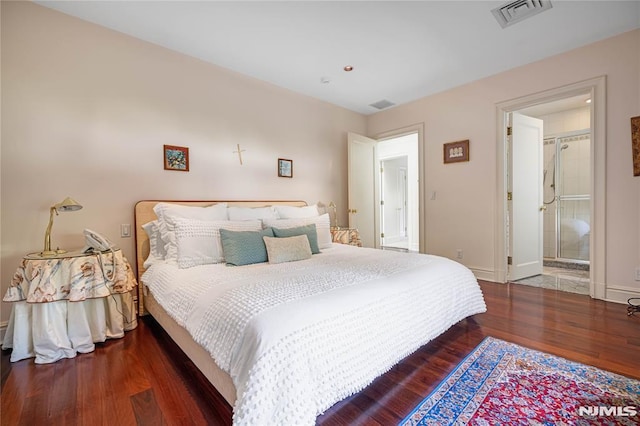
144 379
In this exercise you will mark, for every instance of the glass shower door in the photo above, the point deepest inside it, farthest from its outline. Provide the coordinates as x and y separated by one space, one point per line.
574 199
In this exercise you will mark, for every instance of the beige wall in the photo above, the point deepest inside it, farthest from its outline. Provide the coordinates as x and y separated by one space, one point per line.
86 110
463 213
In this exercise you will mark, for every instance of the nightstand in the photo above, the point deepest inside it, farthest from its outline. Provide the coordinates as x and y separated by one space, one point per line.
349 236
64 303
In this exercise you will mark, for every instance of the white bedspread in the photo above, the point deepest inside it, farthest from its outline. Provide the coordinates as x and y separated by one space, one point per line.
298 337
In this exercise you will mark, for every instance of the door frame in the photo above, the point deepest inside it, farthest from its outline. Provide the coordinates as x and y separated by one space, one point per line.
596 87
402 131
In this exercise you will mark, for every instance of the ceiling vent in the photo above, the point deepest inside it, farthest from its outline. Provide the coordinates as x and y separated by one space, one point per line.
516 11
382 104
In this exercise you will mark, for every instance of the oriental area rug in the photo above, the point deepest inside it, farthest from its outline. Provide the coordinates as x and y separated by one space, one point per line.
501 383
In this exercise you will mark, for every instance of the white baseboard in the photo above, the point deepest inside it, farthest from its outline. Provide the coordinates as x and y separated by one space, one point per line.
620 295
616 294
484 274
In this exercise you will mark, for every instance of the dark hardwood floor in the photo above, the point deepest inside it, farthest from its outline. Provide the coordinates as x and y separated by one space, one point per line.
145 379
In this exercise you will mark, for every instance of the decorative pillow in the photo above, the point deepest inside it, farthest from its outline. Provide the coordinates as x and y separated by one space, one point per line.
287 249
322 222
308 230
250 213
197 242
244 247
292 212
156 246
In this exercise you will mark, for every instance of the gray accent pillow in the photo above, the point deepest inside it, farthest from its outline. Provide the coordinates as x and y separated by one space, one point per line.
287 249
308 230
244 247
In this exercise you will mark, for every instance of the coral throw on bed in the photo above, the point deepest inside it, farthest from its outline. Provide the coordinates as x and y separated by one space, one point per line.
501 383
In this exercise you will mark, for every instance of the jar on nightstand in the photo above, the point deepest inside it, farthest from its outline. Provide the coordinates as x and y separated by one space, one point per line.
349 236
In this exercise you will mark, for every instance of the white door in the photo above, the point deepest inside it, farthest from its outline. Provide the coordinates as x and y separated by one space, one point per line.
402 204
526 206
362 209
384 205
393 196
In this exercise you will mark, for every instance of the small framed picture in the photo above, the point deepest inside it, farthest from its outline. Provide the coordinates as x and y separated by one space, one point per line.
456 151
176 158
285 168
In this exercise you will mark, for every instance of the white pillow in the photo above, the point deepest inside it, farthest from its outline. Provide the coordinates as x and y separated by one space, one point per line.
168 213
250 213
197 242
288 249
213 212
292 212
156 246
322 222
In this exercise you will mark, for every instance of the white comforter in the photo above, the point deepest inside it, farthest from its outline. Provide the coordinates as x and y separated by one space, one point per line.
297 337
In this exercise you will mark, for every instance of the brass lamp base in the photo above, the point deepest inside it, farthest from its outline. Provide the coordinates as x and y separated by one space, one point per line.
52 253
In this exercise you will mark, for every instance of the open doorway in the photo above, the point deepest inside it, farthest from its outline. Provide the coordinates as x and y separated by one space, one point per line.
371 189
566 186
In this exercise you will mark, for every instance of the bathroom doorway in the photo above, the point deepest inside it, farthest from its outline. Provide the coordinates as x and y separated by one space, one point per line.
567 194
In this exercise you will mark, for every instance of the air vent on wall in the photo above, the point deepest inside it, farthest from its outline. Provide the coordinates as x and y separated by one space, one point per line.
516 11
382 104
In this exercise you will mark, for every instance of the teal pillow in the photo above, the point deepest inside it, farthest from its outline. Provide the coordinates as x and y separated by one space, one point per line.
308 230
244 247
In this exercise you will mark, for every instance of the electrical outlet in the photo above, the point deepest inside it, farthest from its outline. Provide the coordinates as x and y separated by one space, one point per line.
125 230
638 273
459 253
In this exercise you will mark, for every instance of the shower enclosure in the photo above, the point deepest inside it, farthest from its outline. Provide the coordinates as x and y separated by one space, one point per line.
567 178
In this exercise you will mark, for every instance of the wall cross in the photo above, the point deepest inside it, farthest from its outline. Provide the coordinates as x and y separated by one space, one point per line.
239 152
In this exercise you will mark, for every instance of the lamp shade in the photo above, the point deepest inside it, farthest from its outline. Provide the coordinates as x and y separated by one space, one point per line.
68 205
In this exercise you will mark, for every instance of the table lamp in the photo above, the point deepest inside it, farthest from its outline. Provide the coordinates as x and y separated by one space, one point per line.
333 210
66 205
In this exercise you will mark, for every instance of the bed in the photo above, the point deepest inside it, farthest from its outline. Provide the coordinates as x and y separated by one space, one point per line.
284 340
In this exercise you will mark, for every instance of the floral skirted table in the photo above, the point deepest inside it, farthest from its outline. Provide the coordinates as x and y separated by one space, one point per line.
63 304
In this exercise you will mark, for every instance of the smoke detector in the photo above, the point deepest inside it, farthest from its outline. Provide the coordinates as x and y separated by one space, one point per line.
382 104
519 10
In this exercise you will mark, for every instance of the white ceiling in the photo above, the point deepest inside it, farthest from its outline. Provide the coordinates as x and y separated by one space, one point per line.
400 50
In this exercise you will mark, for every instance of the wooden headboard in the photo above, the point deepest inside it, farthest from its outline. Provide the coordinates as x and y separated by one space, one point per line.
143 213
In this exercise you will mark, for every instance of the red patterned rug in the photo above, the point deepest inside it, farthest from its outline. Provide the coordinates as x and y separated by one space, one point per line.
501 383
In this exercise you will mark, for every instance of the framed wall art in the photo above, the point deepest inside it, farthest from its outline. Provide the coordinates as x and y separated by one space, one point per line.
635 144
176 158
455 152
285 168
